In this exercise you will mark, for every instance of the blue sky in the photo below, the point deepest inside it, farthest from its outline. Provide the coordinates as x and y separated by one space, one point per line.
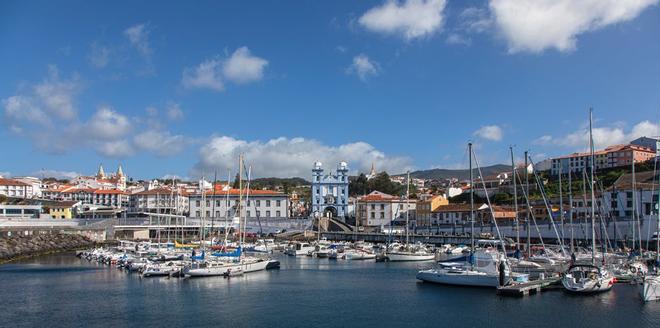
180 88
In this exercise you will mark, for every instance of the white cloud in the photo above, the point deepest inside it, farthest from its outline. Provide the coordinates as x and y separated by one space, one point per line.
363 67
409 19
161 143
455 38
475 20
5 174
207 75
107 124
57 95
284 157
57 174
603 136
99 55
22 109
490 132
138 35
537 25
242 67
115 149
174 112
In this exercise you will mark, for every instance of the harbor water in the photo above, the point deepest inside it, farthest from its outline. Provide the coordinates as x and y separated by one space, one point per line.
63 291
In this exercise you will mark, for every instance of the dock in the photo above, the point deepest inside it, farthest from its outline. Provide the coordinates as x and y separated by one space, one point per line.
532 287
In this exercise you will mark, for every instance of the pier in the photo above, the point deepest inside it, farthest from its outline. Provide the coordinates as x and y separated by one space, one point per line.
532 287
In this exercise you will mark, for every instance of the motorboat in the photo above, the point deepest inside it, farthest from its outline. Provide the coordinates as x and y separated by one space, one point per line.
587 278
651 288
299 249
358 254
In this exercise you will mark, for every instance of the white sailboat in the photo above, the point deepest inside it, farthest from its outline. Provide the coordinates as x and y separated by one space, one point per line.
651 285
487 267
589 278
408 252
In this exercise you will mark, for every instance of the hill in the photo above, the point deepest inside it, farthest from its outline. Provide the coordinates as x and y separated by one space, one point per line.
461 174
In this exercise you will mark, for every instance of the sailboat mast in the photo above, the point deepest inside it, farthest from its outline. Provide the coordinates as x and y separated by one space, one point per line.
570 208
240 202
561 206
635 212
407 208
471 201
529 210
593 197
515 199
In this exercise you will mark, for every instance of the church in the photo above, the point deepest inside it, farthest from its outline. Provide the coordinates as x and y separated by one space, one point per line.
330 191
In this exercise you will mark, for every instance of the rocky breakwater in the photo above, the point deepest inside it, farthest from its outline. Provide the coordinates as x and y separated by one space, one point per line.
22 246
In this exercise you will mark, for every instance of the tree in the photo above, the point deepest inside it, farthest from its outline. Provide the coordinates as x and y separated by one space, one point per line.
237 179
359 186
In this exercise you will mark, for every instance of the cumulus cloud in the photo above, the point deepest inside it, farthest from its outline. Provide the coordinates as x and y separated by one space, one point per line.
489 132
455 38
160 143
57 174
115 149
409 19
174 112
107 124
363 67
138 36
603 136
241 67
57 94
537 25
475 20
284 157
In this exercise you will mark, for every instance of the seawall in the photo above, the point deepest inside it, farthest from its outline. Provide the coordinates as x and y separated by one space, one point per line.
15 247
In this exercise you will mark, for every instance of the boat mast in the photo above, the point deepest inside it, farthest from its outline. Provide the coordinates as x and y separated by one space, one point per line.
635 213
471 203
407 208
570 207
240 202
227 207
593 197
529 210
561 206
515 199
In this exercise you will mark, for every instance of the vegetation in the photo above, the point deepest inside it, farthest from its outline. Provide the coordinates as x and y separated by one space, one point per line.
361 186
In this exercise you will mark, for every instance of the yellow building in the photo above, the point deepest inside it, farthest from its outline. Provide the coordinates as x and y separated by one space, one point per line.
62 210
426 205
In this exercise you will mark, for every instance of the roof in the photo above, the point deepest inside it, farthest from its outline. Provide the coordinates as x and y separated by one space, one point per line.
63 204
454 208
109 191
235 192
610 149
11 182
377 196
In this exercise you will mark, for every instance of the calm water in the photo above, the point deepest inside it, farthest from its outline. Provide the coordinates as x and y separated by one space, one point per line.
65 291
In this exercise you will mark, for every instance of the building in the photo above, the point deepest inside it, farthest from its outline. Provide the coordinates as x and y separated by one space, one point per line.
160 200
223 203
34 182
378 210
426 205
15 188
330 192
62 210
458 214
101 180
651 143
613 156
22 211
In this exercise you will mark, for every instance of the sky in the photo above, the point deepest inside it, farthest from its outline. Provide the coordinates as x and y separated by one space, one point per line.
180 88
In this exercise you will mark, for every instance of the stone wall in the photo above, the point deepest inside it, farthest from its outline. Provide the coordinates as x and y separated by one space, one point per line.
22 246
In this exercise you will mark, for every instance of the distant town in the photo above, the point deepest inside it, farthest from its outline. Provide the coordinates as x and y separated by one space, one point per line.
371 202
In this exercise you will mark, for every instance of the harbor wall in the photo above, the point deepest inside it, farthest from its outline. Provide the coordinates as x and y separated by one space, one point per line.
19 246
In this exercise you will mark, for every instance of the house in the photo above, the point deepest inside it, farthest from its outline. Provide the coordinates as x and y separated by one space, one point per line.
161 200
377 210
62 210
426 204
16 189
223 202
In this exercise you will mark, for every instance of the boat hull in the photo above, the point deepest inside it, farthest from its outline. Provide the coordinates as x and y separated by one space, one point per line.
408 257
459 279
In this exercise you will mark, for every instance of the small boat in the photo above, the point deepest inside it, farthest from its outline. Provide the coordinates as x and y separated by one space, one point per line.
488 270
587 278
358 254
651 288
299 249
233 272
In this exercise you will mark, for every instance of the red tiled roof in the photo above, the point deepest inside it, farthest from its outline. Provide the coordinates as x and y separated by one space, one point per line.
109 191
11 182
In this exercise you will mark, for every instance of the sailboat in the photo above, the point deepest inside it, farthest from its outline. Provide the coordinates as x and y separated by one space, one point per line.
651 285
589 278
487 267
408 252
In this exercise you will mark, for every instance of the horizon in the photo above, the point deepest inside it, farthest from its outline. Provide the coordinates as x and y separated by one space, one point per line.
182 97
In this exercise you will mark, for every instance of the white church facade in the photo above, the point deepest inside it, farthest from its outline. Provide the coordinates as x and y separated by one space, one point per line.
330 191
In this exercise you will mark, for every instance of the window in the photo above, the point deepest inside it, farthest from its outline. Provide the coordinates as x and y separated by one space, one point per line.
217 214
278 203
217 203
208 203
267 214
382 215
382 206
278 214
258 202
373 207
197 203
208 213
248 213
373 215
318 191
258 213
196 213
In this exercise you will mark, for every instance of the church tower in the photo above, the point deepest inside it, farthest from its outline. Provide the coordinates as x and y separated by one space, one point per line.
101 173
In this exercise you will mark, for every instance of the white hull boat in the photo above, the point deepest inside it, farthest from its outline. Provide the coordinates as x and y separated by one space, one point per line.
410 256
485 272
651 289
585 279
358 255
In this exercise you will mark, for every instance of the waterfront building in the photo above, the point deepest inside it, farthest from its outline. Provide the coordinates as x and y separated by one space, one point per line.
330 191
652 143
62 210
261 204
425 205
15 188
20 211
377 210
160 200
613 156
459 214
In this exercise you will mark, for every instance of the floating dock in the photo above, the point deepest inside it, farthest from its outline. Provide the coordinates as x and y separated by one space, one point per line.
532 287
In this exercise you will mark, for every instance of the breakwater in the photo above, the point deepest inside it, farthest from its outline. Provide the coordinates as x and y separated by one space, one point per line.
23 246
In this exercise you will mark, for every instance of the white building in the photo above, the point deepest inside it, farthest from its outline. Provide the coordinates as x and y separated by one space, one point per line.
15 188
262 204
160 200
378 209
330 191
